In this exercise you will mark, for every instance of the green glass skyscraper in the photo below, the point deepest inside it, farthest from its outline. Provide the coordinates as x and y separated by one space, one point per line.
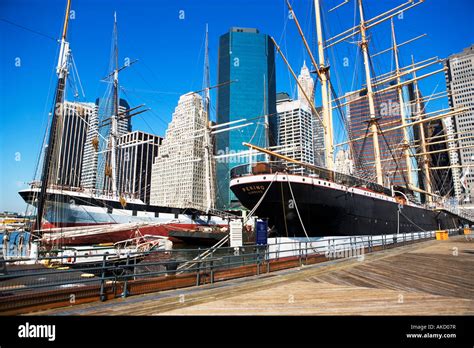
247 70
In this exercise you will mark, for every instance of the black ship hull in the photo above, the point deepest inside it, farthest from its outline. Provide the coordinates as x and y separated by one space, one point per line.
329 209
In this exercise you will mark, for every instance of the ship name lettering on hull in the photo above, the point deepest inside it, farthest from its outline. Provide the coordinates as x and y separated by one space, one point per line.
254 189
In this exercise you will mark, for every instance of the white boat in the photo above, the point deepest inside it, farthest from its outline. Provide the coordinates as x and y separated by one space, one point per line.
131 250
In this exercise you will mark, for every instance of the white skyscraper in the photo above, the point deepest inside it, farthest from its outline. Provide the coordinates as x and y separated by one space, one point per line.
343 163
89 163
460 83
299 131
295 131
453 156
178 174
307 82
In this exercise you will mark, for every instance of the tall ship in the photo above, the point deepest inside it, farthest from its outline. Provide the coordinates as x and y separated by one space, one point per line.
301 199
68 213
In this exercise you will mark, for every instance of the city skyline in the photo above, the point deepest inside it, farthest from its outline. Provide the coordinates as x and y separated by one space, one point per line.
27 79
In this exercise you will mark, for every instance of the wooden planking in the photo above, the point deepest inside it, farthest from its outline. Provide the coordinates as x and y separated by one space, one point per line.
432 282
307 298
419 282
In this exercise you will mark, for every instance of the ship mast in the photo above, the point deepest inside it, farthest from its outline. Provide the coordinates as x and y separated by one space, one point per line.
322 72
61 71
370 96
208 148
406 145
361 29
325 95
265 112
111 159
424 160
114 118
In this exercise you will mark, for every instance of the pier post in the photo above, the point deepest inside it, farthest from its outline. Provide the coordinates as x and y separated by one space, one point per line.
198 274
267 251
306 252
300 256
102 280
258 260
125 284
212 271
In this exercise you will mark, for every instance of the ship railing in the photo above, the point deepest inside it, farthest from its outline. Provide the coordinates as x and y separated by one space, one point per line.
272 167
51 276
223 214
90 191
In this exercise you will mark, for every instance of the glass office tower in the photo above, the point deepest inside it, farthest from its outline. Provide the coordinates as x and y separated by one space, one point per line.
247 70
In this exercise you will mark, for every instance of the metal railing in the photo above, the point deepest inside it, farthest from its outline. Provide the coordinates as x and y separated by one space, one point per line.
28 284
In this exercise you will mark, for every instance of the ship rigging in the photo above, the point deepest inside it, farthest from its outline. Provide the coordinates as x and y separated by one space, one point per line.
331 203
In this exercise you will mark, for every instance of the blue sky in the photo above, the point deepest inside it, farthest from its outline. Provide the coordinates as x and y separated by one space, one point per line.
170 53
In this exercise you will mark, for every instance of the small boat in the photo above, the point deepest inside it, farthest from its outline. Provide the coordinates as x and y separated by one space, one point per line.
130 251
109 233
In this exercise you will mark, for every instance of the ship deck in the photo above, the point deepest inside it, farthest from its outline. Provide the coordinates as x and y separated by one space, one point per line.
428 278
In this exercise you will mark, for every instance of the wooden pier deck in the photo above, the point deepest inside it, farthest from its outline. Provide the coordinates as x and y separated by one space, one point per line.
428 278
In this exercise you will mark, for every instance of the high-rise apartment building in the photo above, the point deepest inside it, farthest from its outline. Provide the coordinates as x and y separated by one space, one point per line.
246 73
179 174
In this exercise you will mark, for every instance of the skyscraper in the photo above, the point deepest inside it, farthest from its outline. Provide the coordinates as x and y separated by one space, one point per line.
453 156
343 163
307 83
441 179
73 132
105 111
387 108
135 155
178 174
295 131
89 162
318 140
460 84
247 71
